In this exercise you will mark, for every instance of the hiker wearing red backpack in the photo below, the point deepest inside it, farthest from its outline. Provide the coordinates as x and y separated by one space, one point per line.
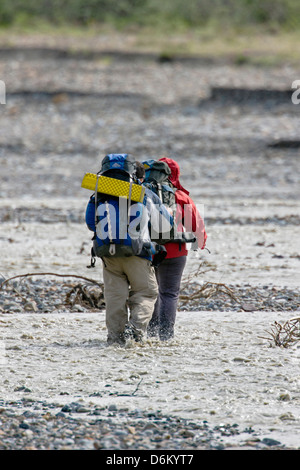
169 272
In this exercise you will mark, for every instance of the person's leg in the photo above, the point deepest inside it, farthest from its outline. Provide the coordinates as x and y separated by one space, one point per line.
143 293
153 326
169 278
116 289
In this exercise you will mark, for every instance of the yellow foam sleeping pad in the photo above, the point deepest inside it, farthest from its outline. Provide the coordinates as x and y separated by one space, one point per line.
114 187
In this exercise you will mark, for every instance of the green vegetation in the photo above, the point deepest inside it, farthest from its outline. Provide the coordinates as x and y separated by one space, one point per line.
264 32
272 14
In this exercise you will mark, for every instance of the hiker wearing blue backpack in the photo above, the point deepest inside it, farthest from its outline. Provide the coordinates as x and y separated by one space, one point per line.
187 219
121 224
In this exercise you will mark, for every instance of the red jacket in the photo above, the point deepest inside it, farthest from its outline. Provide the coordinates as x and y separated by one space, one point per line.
187 215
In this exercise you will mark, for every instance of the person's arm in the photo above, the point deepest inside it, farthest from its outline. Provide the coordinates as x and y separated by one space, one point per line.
90 214
191 218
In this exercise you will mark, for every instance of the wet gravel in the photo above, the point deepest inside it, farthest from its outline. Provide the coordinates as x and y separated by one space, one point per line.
32 425
43 295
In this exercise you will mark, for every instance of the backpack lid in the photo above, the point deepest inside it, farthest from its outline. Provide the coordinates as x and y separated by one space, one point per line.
156 171
117 161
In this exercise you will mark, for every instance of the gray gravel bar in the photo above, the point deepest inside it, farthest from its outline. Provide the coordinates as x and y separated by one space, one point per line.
29 425
235 134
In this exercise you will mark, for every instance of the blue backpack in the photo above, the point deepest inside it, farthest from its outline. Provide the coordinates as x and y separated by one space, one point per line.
110 216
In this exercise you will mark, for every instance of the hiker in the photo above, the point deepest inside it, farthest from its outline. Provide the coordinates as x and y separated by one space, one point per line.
169 272
128 261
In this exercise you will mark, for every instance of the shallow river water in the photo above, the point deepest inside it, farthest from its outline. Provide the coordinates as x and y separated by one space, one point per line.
218 369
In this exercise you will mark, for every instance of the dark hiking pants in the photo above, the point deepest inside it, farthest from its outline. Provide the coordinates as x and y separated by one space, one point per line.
168 275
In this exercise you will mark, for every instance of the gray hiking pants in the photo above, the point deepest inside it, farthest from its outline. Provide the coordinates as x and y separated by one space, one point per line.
128 282
169 274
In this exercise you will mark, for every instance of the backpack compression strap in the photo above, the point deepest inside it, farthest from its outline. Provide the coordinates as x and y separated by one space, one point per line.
112 246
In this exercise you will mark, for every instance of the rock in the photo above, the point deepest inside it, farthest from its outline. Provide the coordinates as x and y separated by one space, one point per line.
66 409
31 306
82 409
112 407
22 389
270 442
150 426
284 397
24 425
248 307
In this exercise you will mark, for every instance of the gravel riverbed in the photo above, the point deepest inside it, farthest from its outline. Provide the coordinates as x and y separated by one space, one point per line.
30 425
220 384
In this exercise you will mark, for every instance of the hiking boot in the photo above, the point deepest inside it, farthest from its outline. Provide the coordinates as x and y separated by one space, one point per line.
153 328
138 336
153 332
166 334
116 339
131 332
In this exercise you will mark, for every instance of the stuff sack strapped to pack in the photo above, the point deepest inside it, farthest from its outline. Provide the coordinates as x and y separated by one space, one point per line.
117 209
157 180
116 181
114 191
